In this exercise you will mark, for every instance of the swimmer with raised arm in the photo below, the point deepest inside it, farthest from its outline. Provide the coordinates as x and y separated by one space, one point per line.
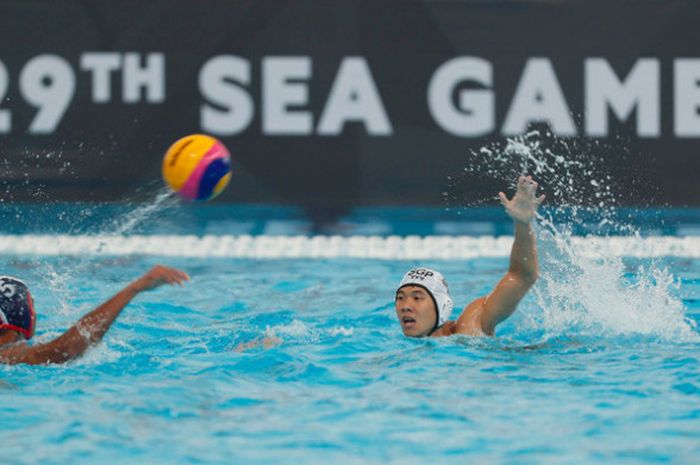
18 319
423 303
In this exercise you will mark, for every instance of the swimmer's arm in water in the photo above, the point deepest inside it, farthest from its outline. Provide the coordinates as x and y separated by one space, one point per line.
487 312
267 342
90 329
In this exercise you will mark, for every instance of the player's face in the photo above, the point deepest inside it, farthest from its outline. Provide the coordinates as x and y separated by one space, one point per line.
415 310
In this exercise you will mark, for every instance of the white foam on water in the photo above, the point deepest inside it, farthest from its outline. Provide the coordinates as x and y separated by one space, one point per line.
585 286
296 330
341 331
59 283
595 293
99 354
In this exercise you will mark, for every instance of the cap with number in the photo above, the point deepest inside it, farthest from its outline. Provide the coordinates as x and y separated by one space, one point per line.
16 307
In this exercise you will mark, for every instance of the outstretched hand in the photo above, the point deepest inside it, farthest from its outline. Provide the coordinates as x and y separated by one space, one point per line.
159 275
523 205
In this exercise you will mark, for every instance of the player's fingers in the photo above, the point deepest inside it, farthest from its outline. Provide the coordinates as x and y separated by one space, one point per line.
502 197
172 276
165 274
540 199
179 278
530 186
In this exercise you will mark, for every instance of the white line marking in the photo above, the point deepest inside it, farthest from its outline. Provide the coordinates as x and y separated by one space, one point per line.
370 247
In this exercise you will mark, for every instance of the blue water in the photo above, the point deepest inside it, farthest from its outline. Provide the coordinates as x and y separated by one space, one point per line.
168 385
173 217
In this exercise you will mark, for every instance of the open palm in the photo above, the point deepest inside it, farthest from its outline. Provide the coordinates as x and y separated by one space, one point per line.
523 205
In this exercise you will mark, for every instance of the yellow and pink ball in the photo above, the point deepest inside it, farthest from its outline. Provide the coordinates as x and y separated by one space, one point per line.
197 167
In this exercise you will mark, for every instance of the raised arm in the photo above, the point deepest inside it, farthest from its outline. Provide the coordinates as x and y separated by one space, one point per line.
485 313
90 329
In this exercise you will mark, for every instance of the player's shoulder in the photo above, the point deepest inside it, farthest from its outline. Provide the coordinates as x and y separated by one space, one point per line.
469 322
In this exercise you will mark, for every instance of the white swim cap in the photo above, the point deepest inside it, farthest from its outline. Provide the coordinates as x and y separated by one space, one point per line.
433 282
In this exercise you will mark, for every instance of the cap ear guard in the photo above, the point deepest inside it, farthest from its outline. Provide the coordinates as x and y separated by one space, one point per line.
446 310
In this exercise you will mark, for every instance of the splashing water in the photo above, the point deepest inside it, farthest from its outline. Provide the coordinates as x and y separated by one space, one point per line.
580 294
127 223
57 276
573 171
59 281
598 295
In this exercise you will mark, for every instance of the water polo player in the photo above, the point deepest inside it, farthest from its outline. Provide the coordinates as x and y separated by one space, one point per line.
423 303
17 320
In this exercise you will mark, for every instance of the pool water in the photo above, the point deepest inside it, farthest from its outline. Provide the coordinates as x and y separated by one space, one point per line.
562 382
599 365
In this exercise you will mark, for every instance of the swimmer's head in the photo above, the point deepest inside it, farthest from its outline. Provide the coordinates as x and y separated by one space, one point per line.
423 302
16 307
